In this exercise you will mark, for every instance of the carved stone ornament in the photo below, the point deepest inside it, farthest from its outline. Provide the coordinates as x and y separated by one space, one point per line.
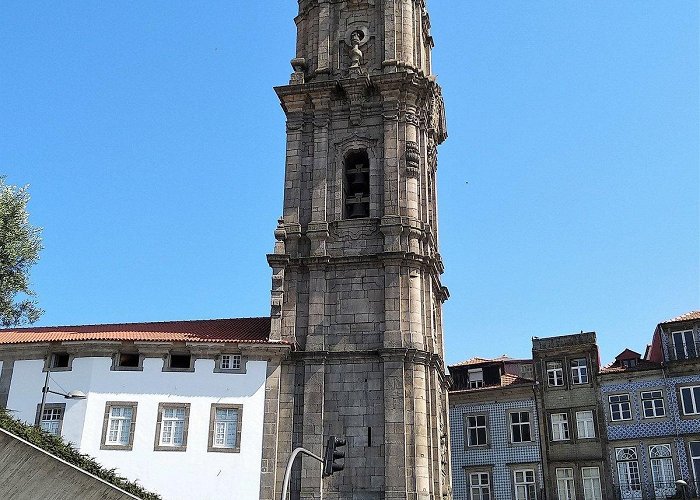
356 38
436 116
299 66
412 157
280 236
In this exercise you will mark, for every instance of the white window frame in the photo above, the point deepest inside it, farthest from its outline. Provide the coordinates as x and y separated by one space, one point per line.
686 354
695 410
477 425
579 372
590 478
525 484
662 470
219 427
555 373
628 472
585 427
520 425
168 437
560 428
476 378
617 407
52 419
480 486
119 425
566 485
694 454
231 361
653 397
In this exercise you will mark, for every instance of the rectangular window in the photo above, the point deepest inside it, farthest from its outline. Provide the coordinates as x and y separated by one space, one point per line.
662 470
620 408
555 373
695 462
591 483
480 486
628 472
180 361
560 427
225 428
520 427
579 371
118 425
524 482
171 427
230 361
690 397
684 344
566 490
585 428
129 359
653 404
51 420
476 378
476 430
60 360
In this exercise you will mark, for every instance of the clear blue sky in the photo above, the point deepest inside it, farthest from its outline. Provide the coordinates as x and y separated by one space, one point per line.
568 188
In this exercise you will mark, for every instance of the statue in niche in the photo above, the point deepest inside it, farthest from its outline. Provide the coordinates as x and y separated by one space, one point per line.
356 38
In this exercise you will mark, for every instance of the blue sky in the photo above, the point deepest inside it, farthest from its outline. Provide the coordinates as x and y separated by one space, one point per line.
568 188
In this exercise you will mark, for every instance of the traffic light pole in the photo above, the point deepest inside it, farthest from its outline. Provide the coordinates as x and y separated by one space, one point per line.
288 472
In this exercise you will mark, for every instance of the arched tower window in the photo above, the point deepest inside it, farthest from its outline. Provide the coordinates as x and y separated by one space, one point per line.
357 184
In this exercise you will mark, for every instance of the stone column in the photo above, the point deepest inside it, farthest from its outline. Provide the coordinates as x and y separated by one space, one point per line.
268 467
318 227
314 381
315 336
415 308
420 431
324 37
292 180
395 467
407 45
390 27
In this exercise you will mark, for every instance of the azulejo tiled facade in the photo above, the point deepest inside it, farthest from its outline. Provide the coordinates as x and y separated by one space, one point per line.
628 430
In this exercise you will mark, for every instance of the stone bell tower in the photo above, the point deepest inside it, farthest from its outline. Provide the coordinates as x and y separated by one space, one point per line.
356 269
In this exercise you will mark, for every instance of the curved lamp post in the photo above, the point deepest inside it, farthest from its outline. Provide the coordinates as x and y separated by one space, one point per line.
45 390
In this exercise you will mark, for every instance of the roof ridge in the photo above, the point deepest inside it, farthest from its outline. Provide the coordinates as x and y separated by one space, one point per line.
162 322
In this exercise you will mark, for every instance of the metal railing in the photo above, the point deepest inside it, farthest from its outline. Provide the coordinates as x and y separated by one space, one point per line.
655 491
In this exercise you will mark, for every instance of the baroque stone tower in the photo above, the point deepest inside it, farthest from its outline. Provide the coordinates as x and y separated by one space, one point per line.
356 270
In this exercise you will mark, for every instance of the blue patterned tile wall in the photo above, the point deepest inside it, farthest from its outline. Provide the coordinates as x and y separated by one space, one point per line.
639 428
500 454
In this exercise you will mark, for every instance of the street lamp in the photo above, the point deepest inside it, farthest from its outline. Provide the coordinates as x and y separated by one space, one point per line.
45 390
683 487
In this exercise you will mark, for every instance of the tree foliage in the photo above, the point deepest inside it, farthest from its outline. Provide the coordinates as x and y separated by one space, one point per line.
20 244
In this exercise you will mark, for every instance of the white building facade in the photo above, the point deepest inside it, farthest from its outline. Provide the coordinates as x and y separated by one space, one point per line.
178 407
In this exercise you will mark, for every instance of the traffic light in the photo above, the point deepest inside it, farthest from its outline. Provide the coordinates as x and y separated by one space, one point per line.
333 454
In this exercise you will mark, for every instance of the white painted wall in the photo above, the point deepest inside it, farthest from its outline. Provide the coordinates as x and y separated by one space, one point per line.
194 474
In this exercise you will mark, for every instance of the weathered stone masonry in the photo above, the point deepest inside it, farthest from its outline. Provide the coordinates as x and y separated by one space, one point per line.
356 269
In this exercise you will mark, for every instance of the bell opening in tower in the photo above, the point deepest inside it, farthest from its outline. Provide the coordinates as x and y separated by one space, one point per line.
356 187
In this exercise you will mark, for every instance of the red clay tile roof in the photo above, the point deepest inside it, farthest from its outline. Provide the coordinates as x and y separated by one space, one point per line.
642 364
692 315
478 361
249 330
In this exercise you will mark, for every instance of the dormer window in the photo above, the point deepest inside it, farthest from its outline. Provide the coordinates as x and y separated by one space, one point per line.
476 378
629 363
684 345
357 185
